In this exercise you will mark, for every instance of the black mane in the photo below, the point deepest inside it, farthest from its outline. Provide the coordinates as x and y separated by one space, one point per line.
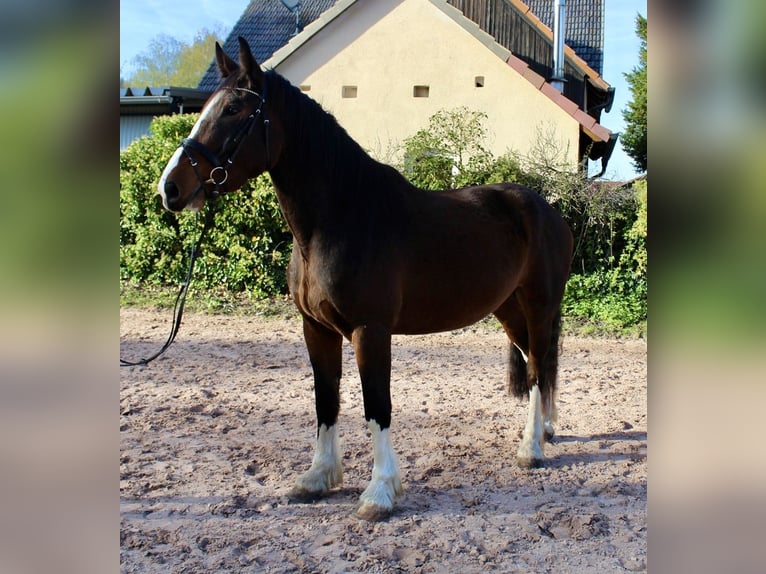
325 147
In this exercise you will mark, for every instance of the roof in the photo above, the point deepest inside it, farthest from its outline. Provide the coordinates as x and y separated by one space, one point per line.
583 29
342 5
138 106
268 25
593 75
588 124
162 99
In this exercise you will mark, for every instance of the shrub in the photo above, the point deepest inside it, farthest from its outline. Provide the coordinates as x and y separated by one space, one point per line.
249 246
449 152
616 296
608 221
246 250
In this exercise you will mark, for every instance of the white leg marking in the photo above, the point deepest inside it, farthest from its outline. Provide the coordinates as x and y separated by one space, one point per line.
531 449
377 500
550 416
326 469
523 354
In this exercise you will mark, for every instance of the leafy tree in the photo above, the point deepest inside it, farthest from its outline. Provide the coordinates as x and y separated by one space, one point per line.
170 62
634 138
448 153
194 59
615 297
155 65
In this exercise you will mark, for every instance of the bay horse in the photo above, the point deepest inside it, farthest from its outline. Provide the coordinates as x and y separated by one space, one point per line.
375 256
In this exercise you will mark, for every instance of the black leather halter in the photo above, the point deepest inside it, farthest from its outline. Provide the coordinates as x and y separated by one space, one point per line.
219 174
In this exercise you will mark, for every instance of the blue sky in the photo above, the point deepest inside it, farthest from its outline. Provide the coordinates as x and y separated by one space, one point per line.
142 20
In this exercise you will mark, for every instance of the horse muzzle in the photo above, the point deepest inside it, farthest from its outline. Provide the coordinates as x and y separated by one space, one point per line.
171 195
173 201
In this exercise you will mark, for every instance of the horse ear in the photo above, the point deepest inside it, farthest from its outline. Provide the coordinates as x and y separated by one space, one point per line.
248 62
226 65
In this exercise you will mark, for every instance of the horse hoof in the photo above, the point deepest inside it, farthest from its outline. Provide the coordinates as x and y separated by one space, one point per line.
373 512
548 435
299 494
525 462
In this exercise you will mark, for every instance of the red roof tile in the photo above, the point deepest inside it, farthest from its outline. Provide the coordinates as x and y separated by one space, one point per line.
588 123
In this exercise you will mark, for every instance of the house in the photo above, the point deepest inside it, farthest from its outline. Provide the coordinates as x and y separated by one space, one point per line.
523 28
526 29
384 67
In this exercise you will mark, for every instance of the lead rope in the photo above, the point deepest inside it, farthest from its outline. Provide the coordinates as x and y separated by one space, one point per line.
178 307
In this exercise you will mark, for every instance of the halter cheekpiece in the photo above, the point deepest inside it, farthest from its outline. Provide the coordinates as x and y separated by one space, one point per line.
219 174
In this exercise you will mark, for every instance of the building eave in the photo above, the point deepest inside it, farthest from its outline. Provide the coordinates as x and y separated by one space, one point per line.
588 124
162 95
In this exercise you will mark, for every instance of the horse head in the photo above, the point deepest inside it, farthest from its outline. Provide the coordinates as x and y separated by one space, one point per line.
232 141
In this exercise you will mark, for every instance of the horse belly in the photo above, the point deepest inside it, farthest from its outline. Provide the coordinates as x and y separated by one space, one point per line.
436 302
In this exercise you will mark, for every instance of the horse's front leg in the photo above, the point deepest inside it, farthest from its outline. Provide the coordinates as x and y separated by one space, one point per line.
372 347
326 472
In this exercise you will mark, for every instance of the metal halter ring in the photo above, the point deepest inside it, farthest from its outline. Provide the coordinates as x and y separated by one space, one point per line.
225 175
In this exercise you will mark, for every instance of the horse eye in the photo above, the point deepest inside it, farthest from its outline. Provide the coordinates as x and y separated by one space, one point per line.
231 110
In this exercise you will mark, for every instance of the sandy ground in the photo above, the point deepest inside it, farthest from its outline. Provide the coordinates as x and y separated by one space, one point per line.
215 432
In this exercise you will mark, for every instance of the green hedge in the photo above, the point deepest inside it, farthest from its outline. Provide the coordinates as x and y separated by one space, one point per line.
615 296
246 250
249 247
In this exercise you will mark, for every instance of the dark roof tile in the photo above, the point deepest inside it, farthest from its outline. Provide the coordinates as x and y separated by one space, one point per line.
584 27
268 26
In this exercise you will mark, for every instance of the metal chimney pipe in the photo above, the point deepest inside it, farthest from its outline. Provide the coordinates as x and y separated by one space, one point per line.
294 6
559 25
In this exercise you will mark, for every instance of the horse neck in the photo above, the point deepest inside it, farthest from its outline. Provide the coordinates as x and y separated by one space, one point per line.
317 173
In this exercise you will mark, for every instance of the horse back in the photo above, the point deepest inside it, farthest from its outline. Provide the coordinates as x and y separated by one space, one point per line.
426 261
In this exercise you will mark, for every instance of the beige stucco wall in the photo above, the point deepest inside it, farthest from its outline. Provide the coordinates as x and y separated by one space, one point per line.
386 47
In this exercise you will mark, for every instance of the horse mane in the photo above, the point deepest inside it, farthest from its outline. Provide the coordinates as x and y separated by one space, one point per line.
326 147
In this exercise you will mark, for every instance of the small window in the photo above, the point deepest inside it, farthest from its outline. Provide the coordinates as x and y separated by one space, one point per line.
349 91
305 88
420 91
478 81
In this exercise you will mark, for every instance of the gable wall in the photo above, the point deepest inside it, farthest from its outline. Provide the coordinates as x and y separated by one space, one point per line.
385 48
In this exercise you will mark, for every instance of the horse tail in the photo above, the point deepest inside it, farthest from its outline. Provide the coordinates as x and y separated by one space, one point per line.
550 376
517 373
518 384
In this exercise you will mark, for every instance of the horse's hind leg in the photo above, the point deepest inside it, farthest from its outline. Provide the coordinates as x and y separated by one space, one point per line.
550 414
518 386
326 472
542 364
530 374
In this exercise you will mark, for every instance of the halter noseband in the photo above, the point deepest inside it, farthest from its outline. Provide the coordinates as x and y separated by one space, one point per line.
216 178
